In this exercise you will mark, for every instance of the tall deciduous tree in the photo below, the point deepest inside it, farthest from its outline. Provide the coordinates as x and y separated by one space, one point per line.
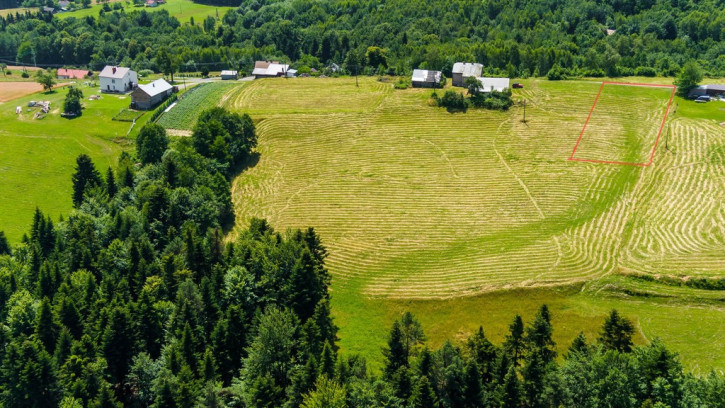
689 77
151 143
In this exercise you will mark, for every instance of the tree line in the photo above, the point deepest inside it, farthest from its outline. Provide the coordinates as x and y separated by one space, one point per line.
517 39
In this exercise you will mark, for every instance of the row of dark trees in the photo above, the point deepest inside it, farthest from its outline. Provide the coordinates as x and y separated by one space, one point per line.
528 37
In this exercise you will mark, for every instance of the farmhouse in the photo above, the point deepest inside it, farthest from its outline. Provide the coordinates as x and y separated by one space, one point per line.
229 75
423 78
149 95
493 84
710 89
463 70
64 73
117 79
269 69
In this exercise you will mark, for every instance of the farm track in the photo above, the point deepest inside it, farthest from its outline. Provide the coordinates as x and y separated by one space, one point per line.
416 203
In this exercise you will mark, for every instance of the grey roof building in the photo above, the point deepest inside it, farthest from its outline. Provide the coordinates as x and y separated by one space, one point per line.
423 78
463 70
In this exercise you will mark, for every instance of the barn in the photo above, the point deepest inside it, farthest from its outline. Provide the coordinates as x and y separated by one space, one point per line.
269 69
463 70
149 95
423 78
493 84
117 79
229 75
710 89
64 73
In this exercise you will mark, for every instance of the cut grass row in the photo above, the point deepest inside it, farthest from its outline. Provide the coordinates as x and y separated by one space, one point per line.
183 116
442 213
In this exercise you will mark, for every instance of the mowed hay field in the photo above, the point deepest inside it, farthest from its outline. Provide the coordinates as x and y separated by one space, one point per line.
468 218
14 90
37 156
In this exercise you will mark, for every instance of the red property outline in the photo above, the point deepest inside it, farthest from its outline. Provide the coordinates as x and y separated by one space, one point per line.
662 126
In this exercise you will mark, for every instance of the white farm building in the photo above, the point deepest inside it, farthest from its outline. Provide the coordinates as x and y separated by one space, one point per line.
117 79
493 84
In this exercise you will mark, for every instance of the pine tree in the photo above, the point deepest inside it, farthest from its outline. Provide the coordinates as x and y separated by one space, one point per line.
117 343
395 354
579 345
423 395
617 333
305 286
539 336
105 399
85 177
188 348
327 361
63 347
514 343
425 363
45 326
511 390
4 245
207 371
484 353
110 183
473 391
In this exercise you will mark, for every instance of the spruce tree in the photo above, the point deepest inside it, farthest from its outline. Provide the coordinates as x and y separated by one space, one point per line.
4 245
45 326
512 397
539 336
110 183
423 395
85 177
579 345
484 353
473 388
514 343
396 356
617 333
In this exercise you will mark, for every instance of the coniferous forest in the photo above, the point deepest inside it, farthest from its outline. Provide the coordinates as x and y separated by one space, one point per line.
514 38
136 299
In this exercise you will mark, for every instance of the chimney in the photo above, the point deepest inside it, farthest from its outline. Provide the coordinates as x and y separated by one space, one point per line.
114 70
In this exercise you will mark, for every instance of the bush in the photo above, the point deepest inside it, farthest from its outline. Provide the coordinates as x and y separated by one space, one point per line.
402 83
8 72
492 100
556 73
645 71
25 75
145 72
453 101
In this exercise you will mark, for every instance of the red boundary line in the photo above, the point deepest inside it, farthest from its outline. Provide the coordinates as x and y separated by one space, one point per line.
659 133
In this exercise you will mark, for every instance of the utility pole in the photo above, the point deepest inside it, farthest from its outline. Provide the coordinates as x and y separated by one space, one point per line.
524 110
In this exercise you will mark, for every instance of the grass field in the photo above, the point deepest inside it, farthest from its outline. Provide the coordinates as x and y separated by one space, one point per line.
466 219
37 156
183 116
183 10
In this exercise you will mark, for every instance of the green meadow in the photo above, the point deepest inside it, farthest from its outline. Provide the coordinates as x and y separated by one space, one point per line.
466 219
37 156
183 10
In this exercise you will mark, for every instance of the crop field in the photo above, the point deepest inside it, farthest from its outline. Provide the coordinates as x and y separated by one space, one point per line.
468 218
37 156
183 116
13 90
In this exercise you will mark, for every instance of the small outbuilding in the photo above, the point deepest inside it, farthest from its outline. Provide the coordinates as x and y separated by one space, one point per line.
269 69
64 73
229 75
463 70
117 79
423 78
493 84
149 95
710 89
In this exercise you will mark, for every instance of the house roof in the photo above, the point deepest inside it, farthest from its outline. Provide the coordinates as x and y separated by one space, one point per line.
713 87
468 68
268 68
229 72
73 73
156 87
424 75
114 72
489 84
